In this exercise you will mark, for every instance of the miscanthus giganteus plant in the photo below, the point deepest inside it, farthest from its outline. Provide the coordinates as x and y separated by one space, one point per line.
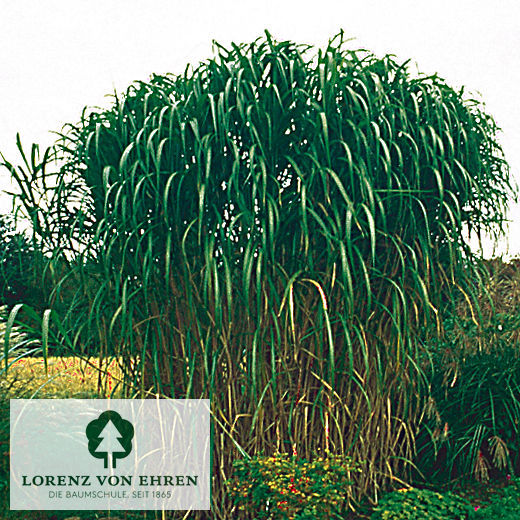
272 229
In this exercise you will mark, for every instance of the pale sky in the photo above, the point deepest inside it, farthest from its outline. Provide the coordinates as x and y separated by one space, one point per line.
57 56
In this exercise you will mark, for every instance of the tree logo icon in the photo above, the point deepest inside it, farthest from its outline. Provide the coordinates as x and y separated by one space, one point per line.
110 437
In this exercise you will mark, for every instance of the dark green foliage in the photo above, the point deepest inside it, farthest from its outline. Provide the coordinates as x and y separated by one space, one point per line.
18 266
504 506
473 411
421 504
475 425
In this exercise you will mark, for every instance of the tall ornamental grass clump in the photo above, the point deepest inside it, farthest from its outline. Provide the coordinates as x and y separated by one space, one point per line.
270 229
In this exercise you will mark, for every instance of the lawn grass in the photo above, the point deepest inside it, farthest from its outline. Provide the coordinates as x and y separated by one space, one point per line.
65 378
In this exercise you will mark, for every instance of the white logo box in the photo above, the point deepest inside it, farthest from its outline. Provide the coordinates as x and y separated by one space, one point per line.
165 467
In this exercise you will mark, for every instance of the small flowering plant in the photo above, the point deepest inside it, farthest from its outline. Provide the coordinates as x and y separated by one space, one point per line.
287 487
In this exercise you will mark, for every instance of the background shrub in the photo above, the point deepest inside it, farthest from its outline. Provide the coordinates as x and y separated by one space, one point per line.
19 266
473 425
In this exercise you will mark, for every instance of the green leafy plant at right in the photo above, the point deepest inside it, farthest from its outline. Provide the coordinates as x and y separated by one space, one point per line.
478 428
506 505
473 416
421 504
